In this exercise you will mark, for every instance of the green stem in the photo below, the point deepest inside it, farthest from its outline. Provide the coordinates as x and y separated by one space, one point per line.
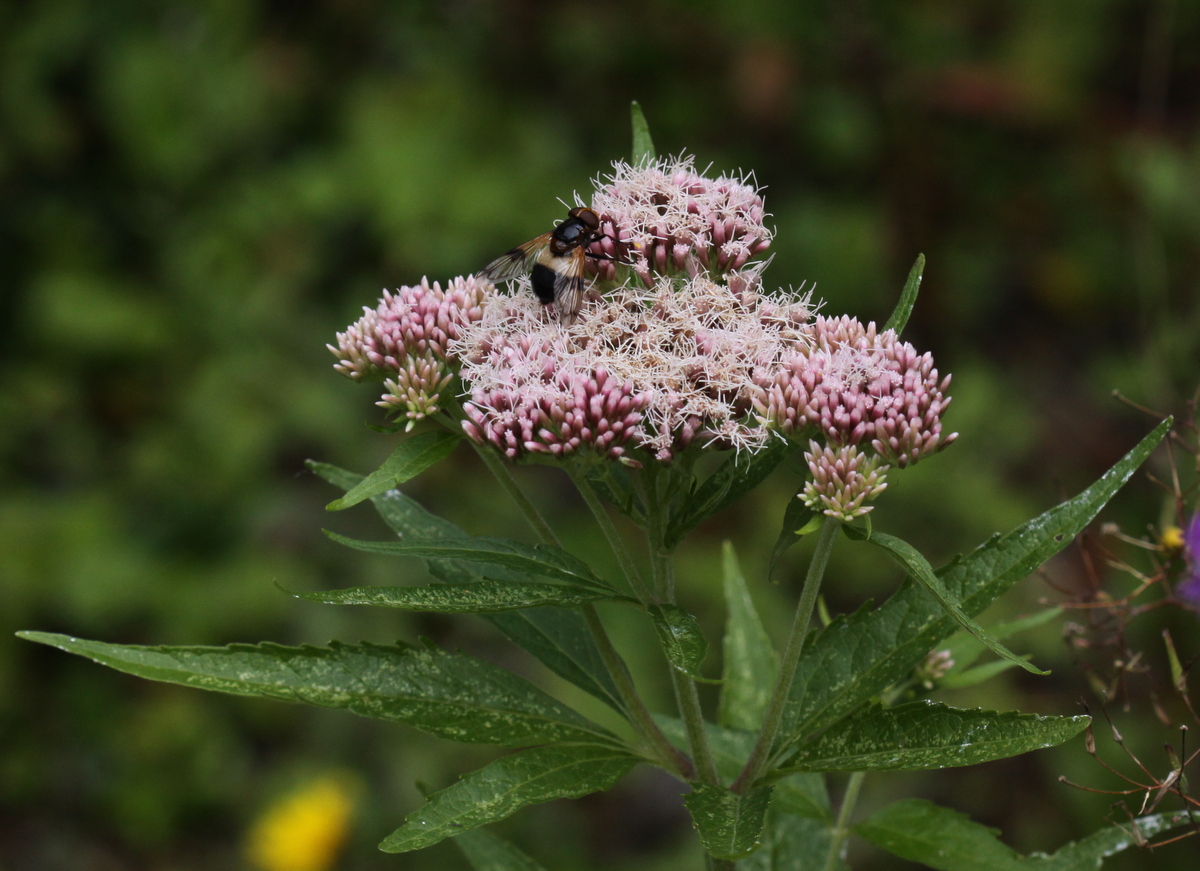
841 828
686 695
498 468
693 720
609 529
639 716
791 657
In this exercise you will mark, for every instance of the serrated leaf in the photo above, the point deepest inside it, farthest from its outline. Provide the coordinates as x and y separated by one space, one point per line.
488 852
557 637
537 559
512 782
802 793
919 569
858 656
449 694
476 597
412 457
729 824
643 145
797 518
737 476
923 735
908 297
682 640
1088 854
751 663
947 840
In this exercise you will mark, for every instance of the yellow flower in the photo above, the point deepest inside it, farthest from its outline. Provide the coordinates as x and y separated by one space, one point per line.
304 830
1172 539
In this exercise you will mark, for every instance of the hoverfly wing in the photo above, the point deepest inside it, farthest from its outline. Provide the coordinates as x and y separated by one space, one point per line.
569 286
517 262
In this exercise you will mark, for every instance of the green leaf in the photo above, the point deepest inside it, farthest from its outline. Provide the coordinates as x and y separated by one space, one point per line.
908 297
797 519
643 145
943 839
537 559
858 656
557 637
561 640
510 783
965 648
733 479
449 694
1088 854
751 663
412 457
475 597
946 840
923 735
802 793
729 824
682 640
488 852
791 844
919 569
958 680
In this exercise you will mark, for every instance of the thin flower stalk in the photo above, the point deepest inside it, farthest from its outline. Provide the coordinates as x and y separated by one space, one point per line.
791 657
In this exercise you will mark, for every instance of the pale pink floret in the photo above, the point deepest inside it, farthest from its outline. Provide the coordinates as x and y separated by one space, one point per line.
663 217
843 480
404 341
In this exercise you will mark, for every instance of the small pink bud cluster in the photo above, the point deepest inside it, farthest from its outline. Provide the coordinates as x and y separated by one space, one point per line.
843 479
405 342
934 667
663 217
855 385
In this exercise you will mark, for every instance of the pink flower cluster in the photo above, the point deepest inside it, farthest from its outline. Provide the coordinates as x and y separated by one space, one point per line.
856 385
404 342
686 351
691 353
664 217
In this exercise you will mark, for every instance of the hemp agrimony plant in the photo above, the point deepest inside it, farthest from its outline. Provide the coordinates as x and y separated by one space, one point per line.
678 362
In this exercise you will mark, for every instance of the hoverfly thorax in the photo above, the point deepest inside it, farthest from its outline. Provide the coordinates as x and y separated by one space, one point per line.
555 262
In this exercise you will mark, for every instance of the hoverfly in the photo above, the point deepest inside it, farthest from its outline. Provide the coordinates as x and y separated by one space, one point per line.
554 261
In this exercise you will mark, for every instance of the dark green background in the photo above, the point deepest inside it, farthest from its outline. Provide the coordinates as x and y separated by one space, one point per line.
196 196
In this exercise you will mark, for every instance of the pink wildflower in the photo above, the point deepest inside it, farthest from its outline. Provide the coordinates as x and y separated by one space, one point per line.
404 342
665 217
855 385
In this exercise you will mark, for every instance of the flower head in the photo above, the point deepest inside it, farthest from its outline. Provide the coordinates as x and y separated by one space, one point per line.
305 830
663 216
682 353
404 342
854 385
843 480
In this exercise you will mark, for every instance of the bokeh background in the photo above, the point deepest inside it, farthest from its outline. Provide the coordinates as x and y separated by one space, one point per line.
196 195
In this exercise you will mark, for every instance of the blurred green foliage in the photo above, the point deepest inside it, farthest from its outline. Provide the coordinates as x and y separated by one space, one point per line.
195 196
